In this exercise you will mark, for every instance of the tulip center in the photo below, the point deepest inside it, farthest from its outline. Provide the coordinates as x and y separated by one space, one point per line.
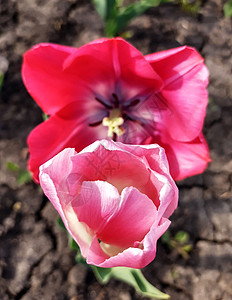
114 122
119 113
110 249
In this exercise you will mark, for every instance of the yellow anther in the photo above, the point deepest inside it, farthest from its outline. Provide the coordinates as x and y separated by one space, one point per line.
114 121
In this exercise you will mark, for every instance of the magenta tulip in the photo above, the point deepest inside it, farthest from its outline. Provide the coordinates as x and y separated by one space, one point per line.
108 89
114 200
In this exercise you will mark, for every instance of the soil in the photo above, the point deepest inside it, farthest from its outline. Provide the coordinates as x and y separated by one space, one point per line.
35 261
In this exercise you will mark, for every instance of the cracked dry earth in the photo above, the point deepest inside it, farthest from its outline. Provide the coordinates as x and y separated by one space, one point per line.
35 261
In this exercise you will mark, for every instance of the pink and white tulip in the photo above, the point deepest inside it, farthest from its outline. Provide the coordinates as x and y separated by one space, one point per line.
114 200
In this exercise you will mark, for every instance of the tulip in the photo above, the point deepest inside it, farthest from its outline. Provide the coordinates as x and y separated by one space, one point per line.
108 89
114 199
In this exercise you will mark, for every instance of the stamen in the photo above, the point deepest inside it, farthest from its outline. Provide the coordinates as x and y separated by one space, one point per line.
135 102
95 123
103 103
132 103
114 121
131 118
114 138
115 96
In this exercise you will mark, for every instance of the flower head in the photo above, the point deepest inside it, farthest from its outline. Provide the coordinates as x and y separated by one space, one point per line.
114 199
108 89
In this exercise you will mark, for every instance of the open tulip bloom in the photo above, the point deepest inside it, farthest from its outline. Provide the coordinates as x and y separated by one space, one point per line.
114 199
108 89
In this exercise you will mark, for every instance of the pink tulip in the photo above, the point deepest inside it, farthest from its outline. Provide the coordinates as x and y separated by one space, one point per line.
108 89
114 200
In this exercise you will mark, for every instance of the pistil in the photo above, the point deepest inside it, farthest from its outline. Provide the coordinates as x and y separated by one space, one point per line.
114 122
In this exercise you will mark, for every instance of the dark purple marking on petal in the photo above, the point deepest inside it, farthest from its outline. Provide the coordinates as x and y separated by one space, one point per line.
104 103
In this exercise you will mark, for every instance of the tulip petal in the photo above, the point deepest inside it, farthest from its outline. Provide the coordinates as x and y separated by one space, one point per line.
152 152
187 100
45 79
154 157
187 158
160 177
98 202
174 63
119 168
96 256
57 133
131 222
122 66
51 181
53 185
135 72
132 257
52 169
185 80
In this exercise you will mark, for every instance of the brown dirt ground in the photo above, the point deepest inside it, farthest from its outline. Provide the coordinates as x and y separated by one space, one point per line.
35 262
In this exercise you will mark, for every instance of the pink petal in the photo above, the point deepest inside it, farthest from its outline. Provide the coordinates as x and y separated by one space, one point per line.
168 195
185 80
52 181
187 99
116 62
135 73
132 257
119 168
153 156
96 204
131 222
185 158
54 170
152 152
95 254
57 133
45 79
161 177
174 63
135 134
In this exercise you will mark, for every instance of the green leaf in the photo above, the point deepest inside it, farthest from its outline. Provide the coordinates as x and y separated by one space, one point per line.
1 80
133 10
187 248
101 8
24 177
106 8
126 34
190 7
116 16
12 166
45 117
135 278
80 259
103 275
60 223
166 237
181 237
111 28
228 9
174 274
72 244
